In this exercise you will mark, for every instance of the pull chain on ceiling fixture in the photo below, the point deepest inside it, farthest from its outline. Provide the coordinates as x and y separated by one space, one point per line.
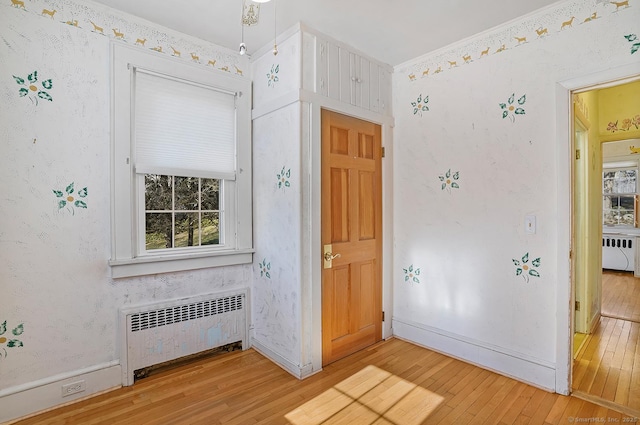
250 17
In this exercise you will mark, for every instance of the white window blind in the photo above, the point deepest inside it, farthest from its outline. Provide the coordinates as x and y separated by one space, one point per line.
183 128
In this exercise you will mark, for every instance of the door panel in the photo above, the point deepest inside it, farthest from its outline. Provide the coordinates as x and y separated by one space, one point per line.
366 207
352 225
340 292
339 205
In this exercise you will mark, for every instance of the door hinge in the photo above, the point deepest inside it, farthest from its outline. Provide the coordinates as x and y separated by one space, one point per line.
577 153
383 152
577 305
570 254
383 316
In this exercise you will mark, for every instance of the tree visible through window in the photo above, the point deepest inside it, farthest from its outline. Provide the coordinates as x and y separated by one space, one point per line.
181 211
619 192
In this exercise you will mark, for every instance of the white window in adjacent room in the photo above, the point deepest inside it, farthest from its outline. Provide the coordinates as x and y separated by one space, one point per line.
619 190
181 166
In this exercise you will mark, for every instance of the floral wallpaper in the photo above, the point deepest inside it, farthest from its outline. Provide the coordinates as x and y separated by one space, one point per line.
68 198
633 38
625 124
449 180
272 76
411 274
525 268
283 178
34 89
265 268
420 105
511 108
11 341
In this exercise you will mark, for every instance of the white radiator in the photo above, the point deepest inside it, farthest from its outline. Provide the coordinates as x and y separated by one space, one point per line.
618 252
161 332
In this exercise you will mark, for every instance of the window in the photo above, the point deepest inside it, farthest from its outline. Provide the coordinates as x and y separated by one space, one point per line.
181 164
181 212
619 195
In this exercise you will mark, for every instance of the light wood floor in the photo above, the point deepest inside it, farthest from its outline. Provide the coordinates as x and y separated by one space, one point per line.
621 295
608 366
392 382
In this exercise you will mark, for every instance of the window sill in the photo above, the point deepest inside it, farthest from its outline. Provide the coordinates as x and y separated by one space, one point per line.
174 263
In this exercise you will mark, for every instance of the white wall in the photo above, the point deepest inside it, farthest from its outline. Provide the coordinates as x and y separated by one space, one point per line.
54 277
468 299
278 293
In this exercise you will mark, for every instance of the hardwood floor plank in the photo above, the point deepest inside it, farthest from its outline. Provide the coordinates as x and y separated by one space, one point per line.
571 411
488 410
621 295
487 395
515 411
543 411
466 399
503 408
557 410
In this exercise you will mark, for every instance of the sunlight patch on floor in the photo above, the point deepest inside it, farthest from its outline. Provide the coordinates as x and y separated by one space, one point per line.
370 396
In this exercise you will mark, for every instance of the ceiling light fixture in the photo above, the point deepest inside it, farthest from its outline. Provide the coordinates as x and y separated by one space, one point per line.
249 17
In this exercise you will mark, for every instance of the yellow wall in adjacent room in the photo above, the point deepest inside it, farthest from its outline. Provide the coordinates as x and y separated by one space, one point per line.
619 112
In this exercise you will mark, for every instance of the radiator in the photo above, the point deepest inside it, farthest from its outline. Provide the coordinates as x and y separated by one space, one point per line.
618 252
161 332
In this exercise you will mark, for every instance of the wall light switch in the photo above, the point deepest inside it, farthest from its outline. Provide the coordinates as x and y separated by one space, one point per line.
530 224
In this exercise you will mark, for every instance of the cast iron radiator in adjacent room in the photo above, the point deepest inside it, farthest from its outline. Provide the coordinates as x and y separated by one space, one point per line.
618 252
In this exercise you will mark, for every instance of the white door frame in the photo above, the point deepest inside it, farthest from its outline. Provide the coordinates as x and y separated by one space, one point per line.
565 288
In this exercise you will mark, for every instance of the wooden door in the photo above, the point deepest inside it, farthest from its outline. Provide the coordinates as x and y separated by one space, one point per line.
352 225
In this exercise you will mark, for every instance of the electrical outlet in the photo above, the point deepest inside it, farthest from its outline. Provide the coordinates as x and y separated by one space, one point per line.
73 388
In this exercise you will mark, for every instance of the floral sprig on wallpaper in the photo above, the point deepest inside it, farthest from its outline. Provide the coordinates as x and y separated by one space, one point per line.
526 269
510 109
67 199
272 76
32 90
411 274
420 105
283 178
450 180
626 125
633 38
10 343
264 269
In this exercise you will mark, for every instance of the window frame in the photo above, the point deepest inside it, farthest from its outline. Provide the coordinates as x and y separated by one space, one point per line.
614 167
127 187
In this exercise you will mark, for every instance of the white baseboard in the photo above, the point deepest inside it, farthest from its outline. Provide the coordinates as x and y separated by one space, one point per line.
299 372
39 396
537 372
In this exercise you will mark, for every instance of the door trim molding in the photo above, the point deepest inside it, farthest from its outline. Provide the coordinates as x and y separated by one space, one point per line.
565 288
311 168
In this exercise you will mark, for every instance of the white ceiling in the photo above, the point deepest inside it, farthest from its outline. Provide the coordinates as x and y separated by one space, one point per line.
390 31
